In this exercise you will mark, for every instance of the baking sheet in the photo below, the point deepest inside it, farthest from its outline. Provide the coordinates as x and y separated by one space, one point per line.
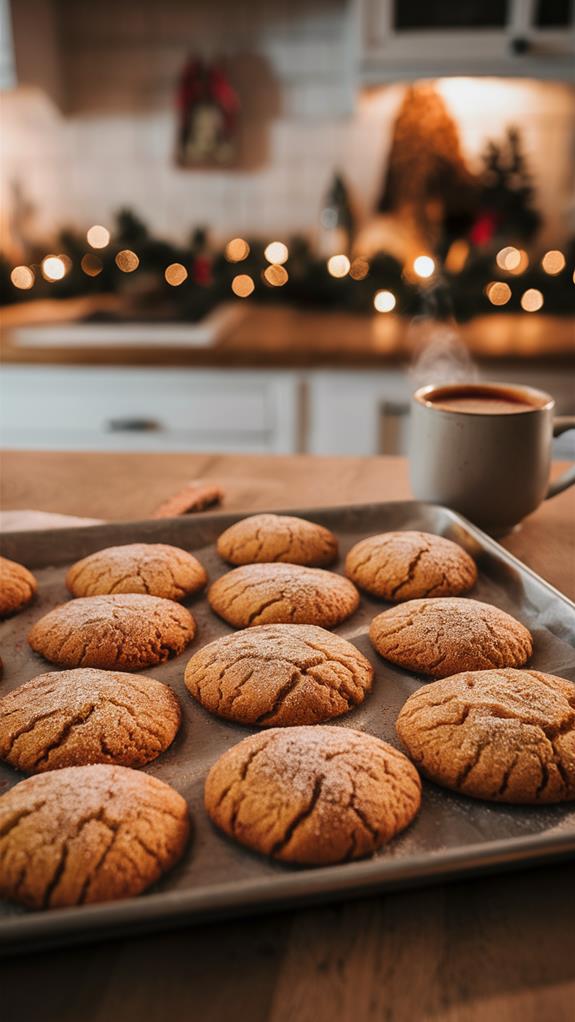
452 836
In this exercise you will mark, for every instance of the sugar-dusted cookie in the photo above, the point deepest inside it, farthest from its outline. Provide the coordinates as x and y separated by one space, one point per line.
17 587
71 718
258 594
407 565
314 795
153 568
502 735
448 635
130 631
87 834
264 538
279 675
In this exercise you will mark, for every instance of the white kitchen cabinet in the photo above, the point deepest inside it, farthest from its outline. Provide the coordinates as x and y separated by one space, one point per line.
125 409
403 39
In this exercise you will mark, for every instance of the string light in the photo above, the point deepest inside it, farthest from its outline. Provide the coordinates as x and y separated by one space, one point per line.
23 278
175 274
553 262
359 269
98 236
91 265
53 268
276 275
456 257
512 260
127 261
384 301
424 266
338 266
236 250
531 300
498 292
276 252
243 285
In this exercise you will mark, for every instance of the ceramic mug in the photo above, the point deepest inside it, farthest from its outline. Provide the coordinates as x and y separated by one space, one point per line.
485 450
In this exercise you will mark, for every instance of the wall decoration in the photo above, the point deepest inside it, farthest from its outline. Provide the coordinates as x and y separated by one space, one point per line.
208 116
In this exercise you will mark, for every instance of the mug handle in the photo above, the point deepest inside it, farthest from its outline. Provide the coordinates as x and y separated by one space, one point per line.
561 425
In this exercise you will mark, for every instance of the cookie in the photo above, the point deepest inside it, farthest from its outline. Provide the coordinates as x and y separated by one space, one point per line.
258 594
87 834
313 795
130 631
279 675
501 735
71 718
17 587
447 635
400 566
264 538
153 568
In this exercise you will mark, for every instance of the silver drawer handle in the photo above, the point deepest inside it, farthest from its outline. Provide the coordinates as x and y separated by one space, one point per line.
133 426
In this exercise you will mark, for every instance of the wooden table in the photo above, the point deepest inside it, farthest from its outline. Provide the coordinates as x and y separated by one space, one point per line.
500 948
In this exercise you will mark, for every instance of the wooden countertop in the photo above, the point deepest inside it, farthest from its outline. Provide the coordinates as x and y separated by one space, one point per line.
288 338
500 948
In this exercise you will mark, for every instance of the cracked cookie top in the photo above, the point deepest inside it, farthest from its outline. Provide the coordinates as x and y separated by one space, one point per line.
447 635
130 631
279 675
259 594
72 718
153 568
265 538
313 795
504 736
87 834
400 566
17 587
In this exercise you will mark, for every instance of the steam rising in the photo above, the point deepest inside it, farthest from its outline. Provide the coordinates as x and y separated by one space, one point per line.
439 354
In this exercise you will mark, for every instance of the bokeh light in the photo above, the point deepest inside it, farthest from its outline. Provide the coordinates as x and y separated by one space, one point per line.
276 275
22 277
98 236
175 274
236 250
53 268
531 300
512 260
424 266
498 292
359 268
338 266
127 261
384 301
243 285
457 255
276 252
91 264
553 262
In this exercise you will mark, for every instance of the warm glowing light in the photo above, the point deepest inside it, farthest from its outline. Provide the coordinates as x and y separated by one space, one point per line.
276 252
424 266
521 265
237 249
338 266
456 257
359 269
22 277
276 275
498 292
176 274
512 260
53 268
531 300
98 236
127 261
243 285
384 301
553 262
91 265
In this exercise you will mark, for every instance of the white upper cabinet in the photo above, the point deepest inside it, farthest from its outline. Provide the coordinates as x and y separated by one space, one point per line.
404 39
